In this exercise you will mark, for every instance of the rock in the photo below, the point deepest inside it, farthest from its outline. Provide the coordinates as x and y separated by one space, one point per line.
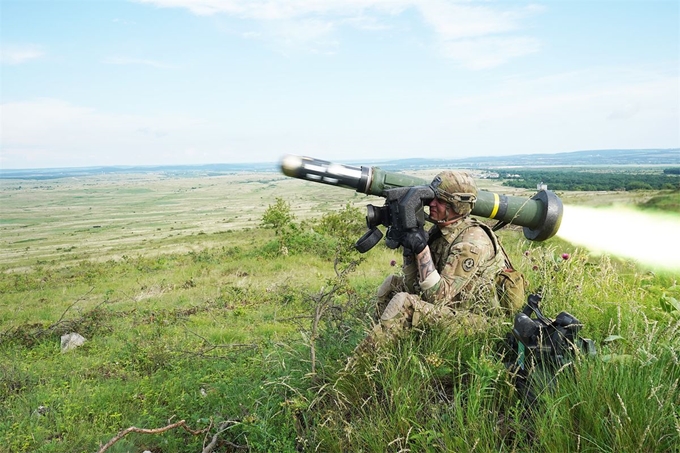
40 411
71 341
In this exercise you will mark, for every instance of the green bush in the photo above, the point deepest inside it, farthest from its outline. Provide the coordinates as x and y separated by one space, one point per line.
332 236
278 216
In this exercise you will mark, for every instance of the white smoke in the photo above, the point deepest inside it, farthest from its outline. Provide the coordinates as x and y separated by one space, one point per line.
650 238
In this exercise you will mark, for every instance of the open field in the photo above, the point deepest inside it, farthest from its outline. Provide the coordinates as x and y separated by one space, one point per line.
193 312
107 217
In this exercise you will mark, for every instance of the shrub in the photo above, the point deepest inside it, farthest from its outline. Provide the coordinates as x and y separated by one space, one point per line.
277 216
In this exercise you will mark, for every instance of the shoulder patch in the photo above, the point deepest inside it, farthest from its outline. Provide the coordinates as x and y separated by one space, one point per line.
468 264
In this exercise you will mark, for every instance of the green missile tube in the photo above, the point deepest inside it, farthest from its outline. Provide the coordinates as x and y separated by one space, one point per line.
540 215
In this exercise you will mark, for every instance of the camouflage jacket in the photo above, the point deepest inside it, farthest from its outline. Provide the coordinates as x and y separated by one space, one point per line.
467 260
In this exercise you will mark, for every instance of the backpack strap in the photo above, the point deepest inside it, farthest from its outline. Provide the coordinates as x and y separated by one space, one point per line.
496 244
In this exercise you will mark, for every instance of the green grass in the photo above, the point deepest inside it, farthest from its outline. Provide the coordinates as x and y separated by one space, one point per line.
208 322
666 202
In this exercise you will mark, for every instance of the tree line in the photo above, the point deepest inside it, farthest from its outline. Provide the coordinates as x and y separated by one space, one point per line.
588 181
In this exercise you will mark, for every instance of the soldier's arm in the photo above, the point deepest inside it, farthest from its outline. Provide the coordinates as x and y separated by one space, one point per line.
425 266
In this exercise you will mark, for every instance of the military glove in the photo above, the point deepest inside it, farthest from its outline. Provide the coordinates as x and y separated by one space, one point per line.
415 240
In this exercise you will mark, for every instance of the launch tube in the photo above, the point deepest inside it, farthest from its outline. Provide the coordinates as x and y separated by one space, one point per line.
540 215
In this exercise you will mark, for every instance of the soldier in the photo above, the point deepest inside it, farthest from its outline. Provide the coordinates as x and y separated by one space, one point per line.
448 274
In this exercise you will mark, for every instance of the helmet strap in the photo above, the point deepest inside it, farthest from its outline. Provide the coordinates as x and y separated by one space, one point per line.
446 220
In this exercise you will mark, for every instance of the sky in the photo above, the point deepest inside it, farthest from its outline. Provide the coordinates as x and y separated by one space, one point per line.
154 82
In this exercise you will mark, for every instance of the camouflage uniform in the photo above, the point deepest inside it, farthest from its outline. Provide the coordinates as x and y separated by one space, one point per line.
462 293
467 262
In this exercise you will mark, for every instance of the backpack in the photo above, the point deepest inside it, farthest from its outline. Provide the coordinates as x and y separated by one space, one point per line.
511 288
511 285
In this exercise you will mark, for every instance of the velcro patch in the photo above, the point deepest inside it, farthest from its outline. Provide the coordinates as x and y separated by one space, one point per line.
468 264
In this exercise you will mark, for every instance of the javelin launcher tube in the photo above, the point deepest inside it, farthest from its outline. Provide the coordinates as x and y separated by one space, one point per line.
540 215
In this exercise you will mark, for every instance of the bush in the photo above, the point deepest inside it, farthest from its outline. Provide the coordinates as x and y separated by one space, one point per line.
277 216
332 236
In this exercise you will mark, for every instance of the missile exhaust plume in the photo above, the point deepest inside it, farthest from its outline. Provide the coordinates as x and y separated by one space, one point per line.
650 238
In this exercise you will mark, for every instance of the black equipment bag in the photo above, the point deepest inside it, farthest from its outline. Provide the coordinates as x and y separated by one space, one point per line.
541 346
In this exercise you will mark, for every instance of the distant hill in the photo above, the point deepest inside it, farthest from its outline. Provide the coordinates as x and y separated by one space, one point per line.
170 170
602 157
606 157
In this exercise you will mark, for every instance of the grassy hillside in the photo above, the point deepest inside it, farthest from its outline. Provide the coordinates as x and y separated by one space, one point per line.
194 312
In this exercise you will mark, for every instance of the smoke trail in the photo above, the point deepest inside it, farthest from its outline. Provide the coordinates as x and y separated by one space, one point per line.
652 239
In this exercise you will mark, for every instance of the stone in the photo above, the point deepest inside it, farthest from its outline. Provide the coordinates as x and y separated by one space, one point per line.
71 341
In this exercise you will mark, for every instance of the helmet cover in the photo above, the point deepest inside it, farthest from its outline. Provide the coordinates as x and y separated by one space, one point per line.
456 188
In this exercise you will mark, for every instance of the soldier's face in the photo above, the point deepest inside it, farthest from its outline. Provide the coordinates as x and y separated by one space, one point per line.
441 212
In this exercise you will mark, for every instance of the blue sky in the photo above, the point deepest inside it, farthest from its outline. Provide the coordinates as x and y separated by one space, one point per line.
145 82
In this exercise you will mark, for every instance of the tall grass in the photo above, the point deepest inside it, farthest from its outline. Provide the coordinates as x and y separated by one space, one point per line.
251 344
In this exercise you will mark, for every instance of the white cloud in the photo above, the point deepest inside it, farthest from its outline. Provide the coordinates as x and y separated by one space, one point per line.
452 20
13 54
365 22
483 53
283 9
625 111
56 133
477 36
310 34
598 108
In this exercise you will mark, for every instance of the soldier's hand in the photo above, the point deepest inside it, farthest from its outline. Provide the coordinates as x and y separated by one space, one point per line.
415 240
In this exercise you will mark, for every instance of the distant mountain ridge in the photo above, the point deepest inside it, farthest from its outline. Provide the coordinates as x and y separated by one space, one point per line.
670 156
170 170
619 157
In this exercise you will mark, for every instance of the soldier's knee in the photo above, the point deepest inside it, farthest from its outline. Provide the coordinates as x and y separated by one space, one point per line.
399 304
390 285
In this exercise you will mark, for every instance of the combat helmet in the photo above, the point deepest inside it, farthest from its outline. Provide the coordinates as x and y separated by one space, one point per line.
456 188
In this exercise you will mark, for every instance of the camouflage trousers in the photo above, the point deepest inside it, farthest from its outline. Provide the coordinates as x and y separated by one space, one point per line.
407 310
390 286
401 310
